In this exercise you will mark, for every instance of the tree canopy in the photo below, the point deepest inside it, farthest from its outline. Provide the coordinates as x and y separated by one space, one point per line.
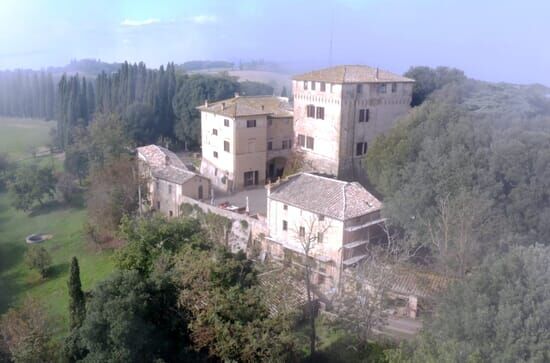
477 150
499 314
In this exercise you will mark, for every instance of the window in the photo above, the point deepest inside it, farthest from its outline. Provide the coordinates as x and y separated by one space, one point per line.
310 111
301 140
226 122
287 144
309 142
169 189
364 115
158 205
320 237
361 148
226 146
331 88
216 170
323 87
270 145
305 85
269 122
382 88
302 232
321 113
285 207
313 85
285 226
250 123
214 131
393 87
321 217
216 154
359 88
171 213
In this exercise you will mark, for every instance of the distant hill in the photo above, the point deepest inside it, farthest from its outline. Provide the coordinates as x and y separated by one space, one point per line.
86 67
197 65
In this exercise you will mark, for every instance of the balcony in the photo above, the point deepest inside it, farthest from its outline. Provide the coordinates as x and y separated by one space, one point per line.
364 225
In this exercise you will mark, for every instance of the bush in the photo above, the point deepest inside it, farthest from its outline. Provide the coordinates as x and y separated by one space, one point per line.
39 259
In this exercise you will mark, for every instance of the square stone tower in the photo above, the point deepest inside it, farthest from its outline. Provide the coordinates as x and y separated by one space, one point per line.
339 111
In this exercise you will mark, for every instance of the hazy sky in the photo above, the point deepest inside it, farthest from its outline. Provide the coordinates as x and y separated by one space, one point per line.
498 40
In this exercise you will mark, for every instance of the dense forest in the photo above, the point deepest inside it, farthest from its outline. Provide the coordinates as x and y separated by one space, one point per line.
465 182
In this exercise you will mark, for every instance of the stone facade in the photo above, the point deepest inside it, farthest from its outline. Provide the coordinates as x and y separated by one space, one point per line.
169 181
339 223
339 111
245 140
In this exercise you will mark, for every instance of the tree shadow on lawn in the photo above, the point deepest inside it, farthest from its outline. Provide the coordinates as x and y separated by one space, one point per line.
58 270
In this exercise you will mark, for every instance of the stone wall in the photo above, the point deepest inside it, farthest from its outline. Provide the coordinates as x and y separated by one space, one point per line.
242 235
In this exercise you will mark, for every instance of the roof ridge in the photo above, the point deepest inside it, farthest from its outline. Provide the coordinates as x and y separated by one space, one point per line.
323 177
345 201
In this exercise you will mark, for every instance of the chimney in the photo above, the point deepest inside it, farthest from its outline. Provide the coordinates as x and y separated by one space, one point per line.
205 103
223 106
376 72
166 160
262 107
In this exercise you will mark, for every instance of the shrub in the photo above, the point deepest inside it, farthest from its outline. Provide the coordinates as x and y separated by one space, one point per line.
39 259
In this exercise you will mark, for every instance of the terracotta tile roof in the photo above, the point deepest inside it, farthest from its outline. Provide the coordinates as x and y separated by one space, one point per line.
158 156
408 281
173 174
352 74
283 292
165 164
330 197
251 106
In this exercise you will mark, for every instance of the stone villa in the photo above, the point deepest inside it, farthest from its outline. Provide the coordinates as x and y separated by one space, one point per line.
245 140
336 113
338 220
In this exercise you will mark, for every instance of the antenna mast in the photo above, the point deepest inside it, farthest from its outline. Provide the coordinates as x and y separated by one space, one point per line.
331 36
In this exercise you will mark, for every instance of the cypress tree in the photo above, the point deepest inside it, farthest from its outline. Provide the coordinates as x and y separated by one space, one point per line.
77 307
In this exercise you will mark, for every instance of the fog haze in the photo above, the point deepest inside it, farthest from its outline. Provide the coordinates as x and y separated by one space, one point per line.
490 40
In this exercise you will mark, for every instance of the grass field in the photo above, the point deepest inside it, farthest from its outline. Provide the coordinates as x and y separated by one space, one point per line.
19 135
65 223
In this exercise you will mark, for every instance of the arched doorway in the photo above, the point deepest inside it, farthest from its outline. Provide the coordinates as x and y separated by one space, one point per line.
275 168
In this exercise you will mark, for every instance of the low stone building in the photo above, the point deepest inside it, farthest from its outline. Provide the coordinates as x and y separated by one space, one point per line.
246 140
168 180
337 220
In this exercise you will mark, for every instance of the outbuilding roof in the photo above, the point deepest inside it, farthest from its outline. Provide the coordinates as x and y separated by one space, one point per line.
159 157
352 74
326 196
164 164
250 106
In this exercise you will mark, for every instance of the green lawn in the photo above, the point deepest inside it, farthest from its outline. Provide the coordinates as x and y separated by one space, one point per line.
64 223
19 135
